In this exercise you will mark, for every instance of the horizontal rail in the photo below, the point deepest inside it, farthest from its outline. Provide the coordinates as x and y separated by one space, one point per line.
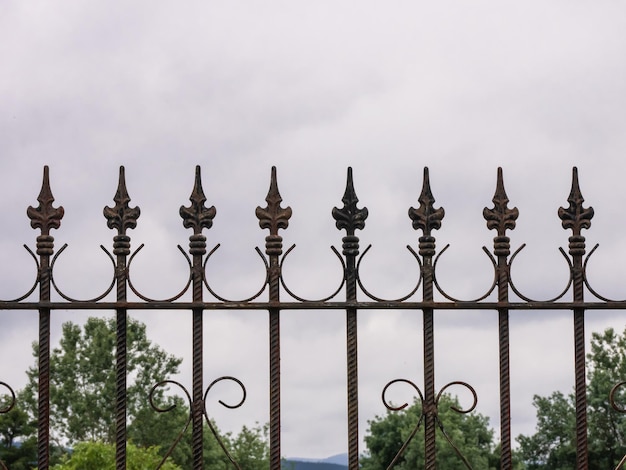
313 305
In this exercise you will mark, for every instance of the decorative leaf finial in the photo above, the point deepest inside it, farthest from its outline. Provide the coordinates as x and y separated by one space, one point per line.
500 218
426 217
121 216
273 217
350 217
197 216
575 217
45 216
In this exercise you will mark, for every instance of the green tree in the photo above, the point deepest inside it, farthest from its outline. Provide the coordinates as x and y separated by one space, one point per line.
18 446
469 432
553 446
82 378
101 456
82 402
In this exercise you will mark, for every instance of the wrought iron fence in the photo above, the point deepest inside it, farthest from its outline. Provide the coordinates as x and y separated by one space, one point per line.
426 217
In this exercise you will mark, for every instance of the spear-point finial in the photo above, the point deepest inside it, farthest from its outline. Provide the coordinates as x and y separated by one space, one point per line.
197 216
500 218
350 217
273 217
575 217
426 217
45 216
121 216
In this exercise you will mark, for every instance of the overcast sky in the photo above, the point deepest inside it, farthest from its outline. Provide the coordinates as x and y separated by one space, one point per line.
315 87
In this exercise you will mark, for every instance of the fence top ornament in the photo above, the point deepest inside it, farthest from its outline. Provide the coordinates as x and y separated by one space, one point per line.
197 216
350 217
273 217
45 216
121 216
426 217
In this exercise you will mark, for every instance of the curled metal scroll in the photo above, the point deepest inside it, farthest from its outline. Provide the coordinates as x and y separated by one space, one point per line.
612 401
157 408
170 408
224 299
585 279
6 409
554 299
9 407
147 299
379 299
482 297
67 297
213 430
619 409
32 289
458 410
302 299
390 407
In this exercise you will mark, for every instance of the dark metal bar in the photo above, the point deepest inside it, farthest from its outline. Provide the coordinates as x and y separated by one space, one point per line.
528 306
274 217
576 217
350 218
44 217
197 217
121 217
501 218
427 219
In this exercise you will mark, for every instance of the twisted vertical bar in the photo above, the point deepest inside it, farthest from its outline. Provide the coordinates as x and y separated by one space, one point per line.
350 218
427 219
121 217
274 217
197 217
44 217
576 217
501 219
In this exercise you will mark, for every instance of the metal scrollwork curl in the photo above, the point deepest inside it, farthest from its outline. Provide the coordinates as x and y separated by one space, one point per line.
553 299
147 299
34 286
302 299
458 410
379 299
223 299
158 409
390 407
586 280
67 297
453 299
237 405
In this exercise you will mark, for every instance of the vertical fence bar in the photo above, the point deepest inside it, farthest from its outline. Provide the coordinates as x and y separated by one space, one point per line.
197 217
273 217
121 217
350 218
44 217
427 219
576 217
501 218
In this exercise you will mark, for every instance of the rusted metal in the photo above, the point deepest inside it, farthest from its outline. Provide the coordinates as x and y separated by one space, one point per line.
121 217
350 218
274 217
198 217
44 217
501 219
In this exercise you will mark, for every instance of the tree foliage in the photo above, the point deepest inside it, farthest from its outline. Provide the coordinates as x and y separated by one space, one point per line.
469 432
553 446
82 404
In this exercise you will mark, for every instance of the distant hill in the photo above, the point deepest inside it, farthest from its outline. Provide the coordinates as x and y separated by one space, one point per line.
336 462
299 465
